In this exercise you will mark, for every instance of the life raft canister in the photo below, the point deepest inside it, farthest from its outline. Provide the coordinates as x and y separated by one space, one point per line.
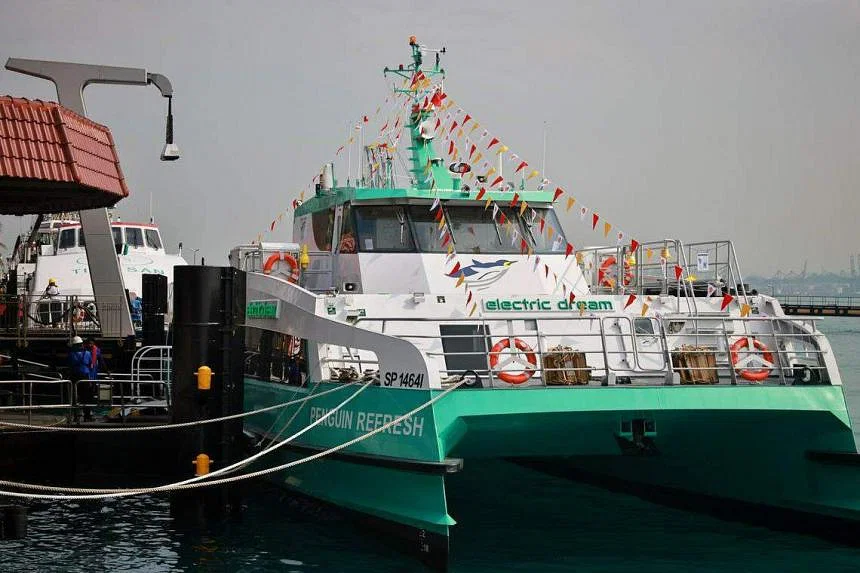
753 375
510 377
603 273
287 258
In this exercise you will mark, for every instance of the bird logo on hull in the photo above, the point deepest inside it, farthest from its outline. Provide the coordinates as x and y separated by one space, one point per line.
481 275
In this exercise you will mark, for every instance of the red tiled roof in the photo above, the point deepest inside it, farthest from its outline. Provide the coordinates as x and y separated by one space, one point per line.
52 159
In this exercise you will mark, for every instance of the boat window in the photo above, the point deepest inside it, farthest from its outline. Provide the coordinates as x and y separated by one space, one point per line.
473 228
322 223
134 236
153 241
542 242
82 240
382 229
347 232
465 347
117 235
67 239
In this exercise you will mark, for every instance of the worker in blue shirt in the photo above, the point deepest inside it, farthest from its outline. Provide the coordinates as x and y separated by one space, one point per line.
79 373
136 309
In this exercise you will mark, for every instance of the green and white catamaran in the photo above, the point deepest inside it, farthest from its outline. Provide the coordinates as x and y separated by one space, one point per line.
440 325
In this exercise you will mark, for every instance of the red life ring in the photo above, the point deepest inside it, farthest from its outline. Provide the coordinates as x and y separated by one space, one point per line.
605 267
287 258
753 375
510 377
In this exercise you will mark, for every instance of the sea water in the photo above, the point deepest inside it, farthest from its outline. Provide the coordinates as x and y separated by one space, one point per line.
526 522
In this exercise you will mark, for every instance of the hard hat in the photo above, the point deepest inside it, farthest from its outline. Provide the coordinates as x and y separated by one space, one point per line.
52 281
76 340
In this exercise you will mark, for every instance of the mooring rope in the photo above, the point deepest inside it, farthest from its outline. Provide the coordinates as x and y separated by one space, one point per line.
231 479
172 426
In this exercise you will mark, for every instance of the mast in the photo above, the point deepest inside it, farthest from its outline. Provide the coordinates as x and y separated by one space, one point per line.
427 169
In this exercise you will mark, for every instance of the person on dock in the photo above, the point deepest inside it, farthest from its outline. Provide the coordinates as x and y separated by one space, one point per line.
136 308
96 360
79 373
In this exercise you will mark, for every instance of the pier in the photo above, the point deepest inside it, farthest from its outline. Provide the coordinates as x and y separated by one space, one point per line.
803 305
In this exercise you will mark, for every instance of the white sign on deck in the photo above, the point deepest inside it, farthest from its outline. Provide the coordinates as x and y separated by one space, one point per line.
702 262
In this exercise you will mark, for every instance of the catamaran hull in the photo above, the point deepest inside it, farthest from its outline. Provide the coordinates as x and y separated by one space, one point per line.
767 446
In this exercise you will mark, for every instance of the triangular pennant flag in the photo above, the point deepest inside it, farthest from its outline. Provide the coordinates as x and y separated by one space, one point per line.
558 192
727 300
453 125
567 250
523 245
549 231
583 211
474 308
442 221
455 270
495 210
520 167
461 280
439 214
571 298
594 218
339 149
446 239
745 309
480 194
533 174
502 149
492 142
469 298
644 309
497 180
466 119
606 228
478 157
435 204
630 300
451 148
472 151
523 206
711 290
648 254
490 171
487 204
546 270
515 199
502 220
678 272
541 223
272 226
634 244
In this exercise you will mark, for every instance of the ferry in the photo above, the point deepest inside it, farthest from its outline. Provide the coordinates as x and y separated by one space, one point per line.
458 329
54 253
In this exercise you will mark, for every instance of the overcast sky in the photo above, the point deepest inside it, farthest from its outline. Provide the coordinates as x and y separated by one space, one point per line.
696 120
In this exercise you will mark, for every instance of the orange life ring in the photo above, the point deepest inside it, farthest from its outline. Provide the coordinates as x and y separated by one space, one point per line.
606 265
510 377
287 258
753 375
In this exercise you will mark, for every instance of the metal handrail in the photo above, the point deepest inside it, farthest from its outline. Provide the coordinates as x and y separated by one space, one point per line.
715 340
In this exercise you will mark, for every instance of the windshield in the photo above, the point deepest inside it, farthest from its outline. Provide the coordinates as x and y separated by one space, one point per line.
475 231
153 241
134 236
383 229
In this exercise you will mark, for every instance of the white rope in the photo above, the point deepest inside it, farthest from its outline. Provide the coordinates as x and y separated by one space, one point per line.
195 479
232 479
172 426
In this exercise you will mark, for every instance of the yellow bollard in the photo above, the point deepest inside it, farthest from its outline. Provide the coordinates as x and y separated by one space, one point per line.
202 462
204 378
304 258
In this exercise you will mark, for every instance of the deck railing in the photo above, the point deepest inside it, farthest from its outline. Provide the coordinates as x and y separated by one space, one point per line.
614 350
37 317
